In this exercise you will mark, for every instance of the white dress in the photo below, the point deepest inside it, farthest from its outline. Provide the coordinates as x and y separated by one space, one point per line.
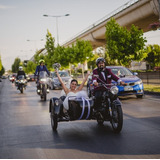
72 94
65 103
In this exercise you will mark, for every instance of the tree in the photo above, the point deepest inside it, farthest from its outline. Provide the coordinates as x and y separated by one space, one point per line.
15 65
0 64
82 51
63 55
2 71
38 56
124 45
31 67
153 55
49 58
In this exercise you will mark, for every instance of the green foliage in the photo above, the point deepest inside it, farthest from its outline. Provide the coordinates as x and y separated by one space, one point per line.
2 71
123 45
78 53
92 61
16 65
31 67
153 55
0 64
82 50
49 58
62 56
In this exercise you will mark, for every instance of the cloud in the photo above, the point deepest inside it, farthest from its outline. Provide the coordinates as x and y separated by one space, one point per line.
5 7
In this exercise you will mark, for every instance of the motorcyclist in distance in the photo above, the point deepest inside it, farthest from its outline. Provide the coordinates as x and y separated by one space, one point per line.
39 68
20 72
102 75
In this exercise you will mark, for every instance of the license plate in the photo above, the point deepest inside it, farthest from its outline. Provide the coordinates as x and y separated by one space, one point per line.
128 88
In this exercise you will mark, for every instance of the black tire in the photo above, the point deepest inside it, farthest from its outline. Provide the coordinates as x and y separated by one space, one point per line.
21 89
54 120
44 91
117 119
139 96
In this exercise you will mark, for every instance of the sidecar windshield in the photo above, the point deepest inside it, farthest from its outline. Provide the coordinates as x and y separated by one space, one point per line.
42 74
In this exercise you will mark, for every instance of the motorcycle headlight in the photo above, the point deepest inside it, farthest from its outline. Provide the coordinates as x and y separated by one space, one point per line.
43 80
114 90
56 102
138 82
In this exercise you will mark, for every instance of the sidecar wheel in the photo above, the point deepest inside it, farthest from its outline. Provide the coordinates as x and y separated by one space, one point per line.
117 119
54 120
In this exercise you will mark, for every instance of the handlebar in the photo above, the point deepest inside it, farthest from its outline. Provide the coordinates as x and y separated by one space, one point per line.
105 85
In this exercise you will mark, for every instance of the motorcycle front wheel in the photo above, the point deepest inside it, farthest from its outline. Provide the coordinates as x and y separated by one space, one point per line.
44 91
117 119
54 119
21 89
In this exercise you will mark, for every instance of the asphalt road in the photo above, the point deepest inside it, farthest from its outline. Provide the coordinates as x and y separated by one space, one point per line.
25 130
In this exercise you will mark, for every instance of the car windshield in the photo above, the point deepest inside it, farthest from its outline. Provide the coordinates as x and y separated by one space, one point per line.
62 74
121 72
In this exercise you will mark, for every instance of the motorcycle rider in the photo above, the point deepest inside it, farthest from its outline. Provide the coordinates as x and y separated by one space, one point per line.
102 75
19 73
39 68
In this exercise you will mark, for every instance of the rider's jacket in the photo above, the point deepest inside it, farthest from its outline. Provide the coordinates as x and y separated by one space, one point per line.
21 73
41 68
104 76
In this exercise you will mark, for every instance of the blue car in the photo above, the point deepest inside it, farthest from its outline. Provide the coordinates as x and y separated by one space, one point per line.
134 84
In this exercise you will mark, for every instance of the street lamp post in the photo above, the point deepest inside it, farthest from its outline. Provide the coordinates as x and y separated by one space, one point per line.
57 16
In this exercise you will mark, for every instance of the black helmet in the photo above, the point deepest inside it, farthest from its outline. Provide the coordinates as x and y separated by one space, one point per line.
100 59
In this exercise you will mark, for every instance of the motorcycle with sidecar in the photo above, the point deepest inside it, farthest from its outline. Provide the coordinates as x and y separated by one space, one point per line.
83 108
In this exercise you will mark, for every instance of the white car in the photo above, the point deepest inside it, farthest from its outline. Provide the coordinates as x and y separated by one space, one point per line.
54 82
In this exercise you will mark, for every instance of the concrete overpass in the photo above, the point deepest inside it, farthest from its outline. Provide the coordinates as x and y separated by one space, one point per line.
141 13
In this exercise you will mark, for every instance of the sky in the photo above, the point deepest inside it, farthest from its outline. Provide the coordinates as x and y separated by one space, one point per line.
23 27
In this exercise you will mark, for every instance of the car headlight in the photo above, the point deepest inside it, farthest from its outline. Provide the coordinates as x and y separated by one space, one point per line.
138 82
114 90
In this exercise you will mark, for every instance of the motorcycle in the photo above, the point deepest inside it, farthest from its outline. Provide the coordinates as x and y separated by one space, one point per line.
83 108
42 85
21 83
13 79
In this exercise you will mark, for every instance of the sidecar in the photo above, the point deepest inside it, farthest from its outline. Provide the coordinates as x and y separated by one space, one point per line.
79 109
